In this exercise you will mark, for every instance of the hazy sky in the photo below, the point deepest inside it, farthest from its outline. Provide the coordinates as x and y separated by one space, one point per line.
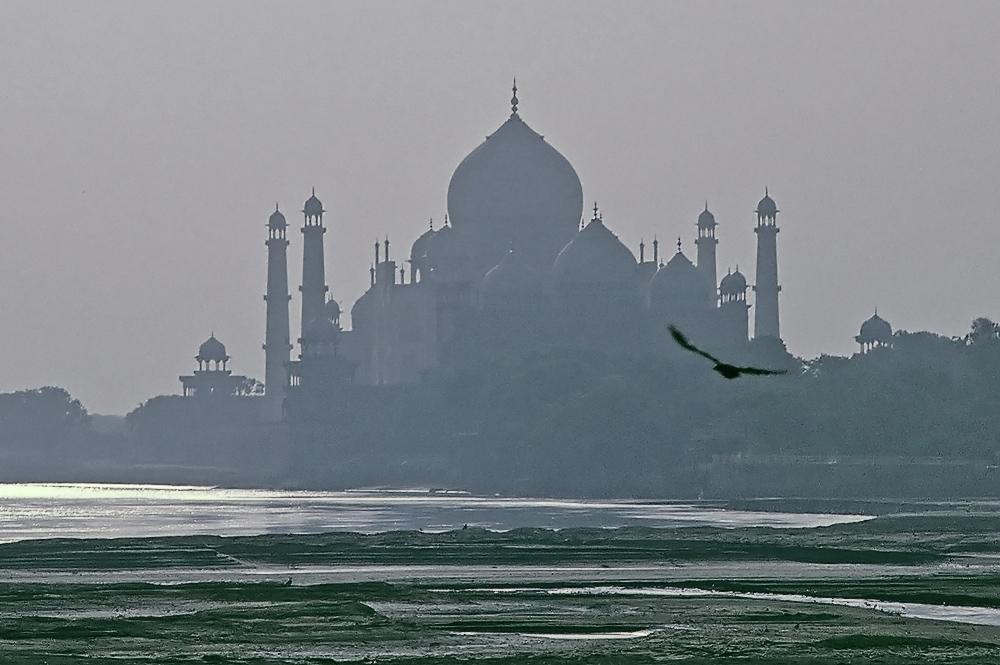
143 146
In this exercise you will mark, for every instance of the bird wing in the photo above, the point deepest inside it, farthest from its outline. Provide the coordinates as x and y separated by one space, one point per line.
757 371
683 341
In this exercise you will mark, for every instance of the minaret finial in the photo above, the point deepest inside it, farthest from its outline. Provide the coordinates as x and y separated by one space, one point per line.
377 253
642 251
514 100
656 250
387 247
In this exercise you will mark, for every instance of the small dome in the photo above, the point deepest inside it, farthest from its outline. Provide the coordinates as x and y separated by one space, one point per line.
313 206
680 282
595 256
876 329
448 255
419 248
766 207
362 310
706 220
276 220
212 350
733 284
512 276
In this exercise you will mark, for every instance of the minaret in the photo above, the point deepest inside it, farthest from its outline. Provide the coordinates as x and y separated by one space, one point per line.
277 346
706 243
765 320
313 267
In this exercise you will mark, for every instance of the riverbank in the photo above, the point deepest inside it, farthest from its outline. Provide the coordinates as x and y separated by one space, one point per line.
849 592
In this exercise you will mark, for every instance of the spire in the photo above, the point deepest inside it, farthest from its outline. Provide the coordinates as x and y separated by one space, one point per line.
514 100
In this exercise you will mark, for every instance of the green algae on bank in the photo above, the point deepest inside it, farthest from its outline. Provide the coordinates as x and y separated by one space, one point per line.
523 596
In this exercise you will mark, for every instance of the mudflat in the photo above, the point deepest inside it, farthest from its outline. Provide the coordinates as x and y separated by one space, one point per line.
905 587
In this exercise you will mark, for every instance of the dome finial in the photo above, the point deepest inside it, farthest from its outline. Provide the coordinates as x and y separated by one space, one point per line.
595 209
432 223
678 244
314 191
514 100
706 205
446 219
275 206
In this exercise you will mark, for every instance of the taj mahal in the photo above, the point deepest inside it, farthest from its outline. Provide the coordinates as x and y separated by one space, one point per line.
517 266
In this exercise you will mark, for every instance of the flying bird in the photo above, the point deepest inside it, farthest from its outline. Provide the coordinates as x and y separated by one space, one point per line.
725 369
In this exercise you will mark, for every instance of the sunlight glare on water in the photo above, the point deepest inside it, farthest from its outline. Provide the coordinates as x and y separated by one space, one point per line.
71 510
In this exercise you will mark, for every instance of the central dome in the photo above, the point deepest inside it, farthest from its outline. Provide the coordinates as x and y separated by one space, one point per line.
515 188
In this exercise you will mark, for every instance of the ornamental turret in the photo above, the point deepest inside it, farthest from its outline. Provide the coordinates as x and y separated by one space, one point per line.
277 340
765 320
706 244
314 286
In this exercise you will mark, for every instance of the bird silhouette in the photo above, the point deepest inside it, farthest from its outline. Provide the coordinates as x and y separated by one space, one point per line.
725 369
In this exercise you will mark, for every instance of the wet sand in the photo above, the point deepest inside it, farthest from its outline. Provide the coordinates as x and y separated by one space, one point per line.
900 588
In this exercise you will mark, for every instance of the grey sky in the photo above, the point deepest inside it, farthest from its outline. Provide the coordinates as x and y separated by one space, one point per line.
143 146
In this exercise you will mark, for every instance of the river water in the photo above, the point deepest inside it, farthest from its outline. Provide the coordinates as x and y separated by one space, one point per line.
72 510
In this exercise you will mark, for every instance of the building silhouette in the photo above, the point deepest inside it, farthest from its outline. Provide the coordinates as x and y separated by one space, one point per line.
213 376
515 267
277 346
875 332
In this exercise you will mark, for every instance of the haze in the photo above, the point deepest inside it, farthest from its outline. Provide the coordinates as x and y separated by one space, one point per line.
142 148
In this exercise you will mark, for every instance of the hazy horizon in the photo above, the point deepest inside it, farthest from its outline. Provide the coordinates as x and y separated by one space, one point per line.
144 146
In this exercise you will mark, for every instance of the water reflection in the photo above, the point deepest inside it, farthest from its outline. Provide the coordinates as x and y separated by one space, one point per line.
63 510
